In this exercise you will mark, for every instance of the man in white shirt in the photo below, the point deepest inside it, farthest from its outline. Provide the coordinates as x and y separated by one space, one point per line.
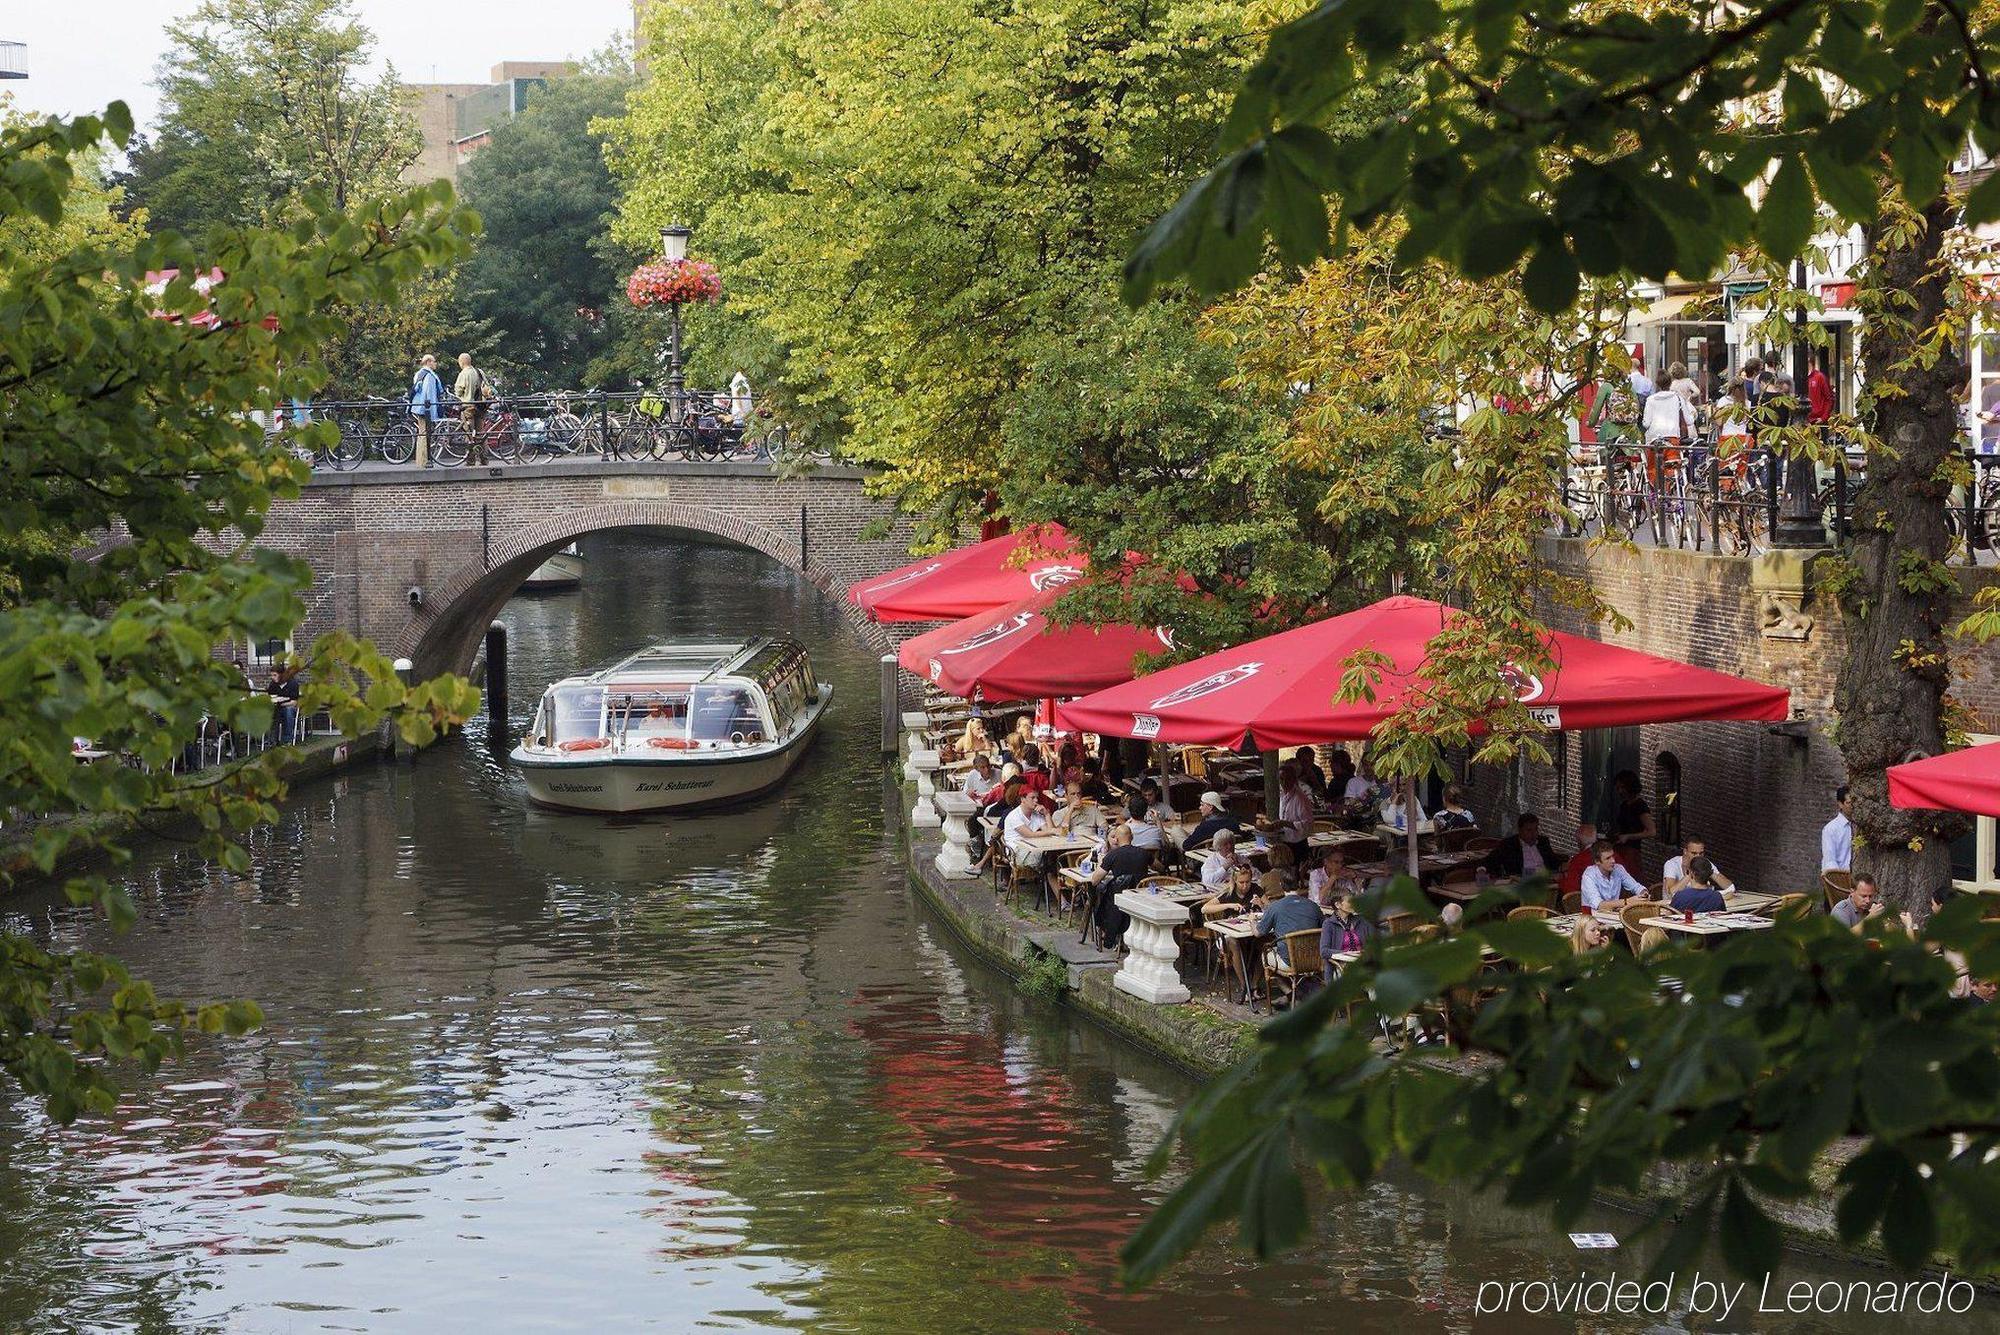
1221 860
1026 819
1836 837
1139 820
1676 867
1607 879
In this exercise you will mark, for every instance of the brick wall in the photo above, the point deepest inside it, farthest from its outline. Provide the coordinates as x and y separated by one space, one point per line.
1758 794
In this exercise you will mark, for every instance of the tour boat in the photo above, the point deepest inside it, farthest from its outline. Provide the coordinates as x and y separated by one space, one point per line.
563 570
674 726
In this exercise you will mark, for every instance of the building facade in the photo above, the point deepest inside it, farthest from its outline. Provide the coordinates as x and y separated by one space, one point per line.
457 119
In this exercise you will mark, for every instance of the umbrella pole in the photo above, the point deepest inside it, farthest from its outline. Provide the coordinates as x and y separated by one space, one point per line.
1166 792
1410 824
1270 759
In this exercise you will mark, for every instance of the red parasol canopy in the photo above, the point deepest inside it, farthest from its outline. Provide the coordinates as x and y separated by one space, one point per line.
1014 654
1280 690
1967 780
972 580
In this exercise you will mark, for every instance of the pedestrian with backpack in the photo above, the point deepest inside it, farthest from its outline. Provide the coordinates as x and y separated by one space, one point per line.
473 389
426 405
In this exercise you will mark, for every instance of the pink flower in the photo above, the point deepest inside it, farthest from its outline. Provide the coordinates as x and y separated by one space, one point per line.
666 282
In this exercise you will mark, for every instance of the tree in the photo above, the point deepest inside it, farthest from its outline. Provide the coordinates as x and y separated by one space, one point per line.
136 485
1569 146
263 102
1651 143
545 275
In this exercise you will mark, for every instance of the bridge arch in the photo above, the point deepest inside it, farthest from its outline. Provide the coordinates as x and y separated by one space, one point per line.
445 634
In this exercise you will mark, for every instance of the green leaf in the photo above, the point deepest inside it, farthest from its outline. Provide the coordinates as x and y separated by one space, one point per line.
1785 220
1850 190
1551 280
1909 1222
1750 1240
1184 1216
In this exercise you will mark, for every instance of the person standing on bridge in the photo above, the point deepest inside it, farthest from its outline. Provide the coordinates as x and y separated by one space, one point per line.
472 390
426 405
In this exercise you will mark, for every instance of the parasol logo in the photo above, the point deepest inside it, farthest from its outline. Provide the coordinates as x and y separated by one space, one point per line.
1165 635
993 634
937 669
909 577
1525 685
1054 577
1209 685
1549 716
1145 726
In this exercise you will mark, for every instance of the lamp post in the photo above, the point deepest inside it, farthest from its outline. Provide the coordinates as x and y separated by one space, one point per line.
674 249
1799 525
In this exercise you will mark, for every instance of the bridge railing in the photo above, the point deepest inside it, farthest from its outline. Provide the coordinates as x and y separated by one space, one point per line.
526 428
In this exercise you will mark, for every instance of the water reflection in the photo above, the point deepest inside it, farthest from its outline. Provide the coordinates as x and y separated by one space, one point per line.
531 1071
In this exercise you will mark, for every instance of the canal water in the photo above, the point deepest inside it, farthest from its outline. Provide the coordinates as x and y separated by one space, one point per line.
527 1071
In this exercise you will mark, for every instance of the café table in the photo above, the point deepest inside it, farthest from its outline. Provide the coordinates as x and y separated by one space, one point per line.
1709 924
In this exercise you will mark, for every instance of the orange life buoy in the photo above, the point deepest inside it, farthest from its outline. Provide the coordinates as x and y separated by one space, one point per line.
585 744
671 743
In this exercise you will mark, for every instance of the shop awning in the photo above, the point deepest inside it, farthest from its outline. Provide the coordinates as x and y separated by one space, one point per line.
1281 690
1967 780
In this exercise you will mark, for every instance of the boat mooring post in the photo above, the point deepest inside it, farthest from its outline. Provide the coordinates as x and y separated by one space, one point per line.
496 677
892 707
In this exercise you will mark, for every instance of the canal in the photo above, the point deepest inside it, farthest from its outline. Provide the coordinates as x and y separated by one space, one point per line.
525 1071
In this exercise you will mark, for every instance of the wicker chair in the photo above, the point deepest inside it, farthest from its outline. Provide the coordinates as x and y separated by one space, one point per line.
1573 902
1835 885
1797 904
1481 844
1632 915
1527 911
1297 964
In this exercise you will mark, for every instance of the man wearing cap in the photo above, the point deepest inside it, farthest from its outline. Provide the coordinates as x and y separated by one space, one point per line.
1215 818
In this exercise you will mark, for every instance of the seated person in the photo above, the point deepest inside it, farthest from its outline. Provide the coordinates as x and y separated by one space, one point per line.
1331 879
1278 879
1221 860
1528 852
1235 895
1093 784
1072 813
1453 815
1033 777
1571 880
1309 772
1215 816
1589 934
1119 869
1364 792
974 739
1346 931
284 692
1607 879
1150 790
1026 819
1396 809
1862 903
1692 848
1292 912
1139 820
1341 768
1697 891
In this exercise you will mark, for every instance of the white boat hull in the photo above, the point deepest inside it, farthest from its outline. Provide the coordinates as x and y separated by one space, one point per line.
564 570
666 781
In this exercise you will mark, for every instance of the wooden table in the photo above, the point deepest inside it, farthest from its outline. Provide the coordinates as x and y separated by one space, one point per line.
1056 842
1709 924
1464 892
1428 864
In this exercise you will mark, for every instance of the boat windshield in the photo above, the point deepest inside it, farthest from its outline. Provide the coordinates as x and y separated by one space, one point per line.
650 711
575 713
721 711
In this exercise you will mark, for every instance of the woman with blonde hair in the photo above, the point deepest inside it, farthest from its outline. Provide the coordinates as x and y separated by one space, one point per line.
1589 935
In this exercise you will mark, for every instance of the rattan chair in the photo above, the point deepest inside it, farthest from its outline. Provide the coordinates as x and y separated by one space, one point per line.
1835 885
1573 902
1796 904
1631 915
1296 965
1527 911
1481 844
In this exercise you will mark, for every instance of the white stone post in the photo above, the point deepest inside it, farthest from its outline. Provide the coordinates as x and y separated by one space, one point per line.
955 858
1149 972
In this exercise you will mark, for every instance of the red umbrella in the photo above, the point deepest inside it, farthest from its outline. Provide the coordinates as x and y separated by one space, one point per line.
1281 690
1014 654
1967 780
974 579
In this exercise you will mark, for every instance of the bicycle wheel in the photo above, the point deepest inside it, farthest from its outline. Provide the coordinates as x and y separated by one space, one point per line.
449 444
346 452
399 443
502 439
565 434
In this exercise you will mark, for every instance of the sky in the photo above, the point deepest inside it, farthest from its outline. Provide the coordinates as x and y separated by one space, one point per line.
102 50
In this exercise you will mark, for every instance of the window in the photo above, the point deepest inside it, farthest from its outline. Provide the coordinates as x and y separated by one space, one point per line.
1973 856
263 653
1983 435
1606 751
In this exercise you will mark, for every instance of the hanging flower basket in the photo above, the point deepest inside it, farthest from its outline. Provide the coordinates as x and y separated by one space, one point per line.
673 282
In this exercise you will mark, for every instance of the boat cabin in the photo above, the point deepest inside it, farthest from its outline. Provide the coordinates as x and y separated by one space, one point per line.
681 697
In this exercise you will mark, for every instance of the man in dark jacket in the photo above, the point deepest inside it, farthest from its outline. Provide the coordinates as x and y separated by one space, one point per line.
1526 853
1215 818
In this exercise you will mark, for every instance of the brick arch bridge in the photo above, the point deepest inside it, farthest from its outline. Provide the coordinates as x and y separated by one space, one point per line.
466 538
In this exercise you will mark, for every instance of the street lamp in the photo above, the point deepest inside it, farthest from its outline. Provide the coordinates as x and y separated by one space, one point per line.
1800 523
674 248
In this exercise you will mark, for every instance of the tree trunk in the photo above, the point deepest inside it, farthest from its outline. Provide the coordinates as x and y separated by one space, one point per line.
1896 596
